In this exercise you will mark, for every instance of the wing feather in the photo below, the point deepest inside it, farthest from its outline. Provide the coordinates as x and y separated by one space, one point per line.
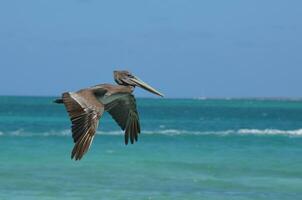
123 110
84 111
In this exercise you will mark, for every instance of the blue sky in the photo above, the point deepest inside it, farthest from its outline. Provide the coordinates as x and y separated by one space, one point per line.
185 48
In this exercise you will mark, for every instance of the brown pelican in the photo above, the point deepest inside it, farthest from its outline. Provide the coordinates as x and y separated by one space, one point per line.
86 106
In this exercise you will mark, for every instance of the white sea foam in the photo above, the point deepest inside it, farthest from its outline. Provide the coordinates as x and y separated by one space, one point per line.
57 133
174 132
167 132
297 132
17 132
110 132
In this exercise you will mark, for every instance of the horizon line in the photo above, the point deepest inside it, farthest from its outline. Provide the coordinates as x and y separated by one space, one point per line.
196 98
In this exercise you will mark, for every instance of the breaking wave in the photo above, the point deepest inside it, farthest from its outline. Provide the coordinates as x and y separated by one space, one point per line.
270 132
167 132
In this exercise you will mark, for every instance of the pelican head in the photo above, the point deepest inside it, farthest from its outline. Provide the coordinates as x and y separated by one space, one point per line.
128 79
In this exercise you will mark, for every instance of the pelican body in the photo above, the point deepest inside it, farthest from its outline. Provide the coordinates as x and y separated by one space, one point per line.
86 106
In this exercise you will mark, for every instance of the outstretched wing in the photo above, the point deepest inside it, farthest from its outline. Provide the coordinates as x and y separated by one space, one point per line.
84 111
122 108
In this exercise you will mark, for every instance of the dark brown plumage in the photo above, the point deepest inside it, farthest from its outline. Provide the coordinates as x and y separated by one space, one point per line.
85 107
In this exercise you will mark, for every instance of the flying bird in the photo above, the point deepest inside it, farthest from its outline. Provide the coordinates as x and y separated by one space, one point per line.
86 106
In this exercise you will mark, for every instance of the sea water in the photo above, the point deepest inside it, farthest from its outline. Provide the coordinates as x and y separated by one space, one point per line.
188 149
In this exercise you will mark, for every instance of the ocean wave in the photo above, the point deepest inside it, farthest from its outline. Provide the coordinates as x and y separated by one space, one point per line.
270 132
167 132
171 132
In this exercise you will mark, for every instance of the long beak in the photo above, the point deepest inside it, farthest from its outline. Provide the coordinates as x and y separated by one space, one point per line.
145 86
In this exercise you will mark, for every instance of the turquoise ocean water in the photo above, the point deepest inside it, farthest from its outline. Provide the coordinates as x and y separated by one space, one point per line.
188 149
